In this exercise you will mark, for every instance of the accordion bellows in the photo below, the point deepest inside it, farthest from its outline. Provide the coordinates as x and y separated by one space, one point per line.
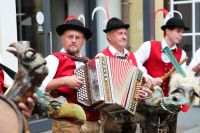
109 84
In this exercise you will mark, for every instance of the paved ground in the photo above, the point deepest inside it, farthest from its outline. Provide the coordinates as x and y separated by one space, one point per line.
187 122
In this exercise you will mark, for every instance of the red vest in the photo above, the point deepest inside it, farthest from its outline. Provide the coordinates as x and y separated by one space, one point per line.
156 67
130 57
1 81
66 67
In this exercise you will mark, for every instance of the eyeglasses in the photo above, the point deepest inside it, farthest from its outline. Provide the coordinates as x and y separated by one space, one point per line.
74 37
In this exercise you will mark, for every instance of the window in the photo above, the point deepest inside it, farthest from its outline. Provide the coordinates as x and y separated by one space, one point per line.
27 27
190 10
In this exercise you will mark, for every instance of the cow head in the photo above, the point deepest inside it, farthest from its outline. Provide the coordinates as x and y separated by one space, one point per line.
183 92
184 88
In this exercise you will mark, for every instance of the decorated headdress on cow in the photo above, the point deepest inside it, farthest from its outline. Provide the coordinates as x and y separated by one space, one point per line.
74 24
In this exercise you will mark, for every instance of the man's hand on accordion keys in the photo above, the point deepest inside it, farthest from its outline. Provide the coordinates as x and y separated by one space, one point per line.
142 92
73 82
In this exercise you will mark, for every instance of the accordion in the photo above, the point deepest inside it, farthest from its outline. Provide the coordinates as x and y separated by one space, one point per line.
109 84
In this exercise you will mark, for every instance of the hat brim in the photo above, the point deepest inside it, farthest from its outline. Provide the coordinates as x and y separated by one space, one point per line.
64 27
126 26
164 27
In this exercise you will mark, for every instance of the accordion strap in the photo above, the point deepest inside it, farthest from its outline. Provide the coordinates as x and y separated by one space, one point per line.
57 92
76 58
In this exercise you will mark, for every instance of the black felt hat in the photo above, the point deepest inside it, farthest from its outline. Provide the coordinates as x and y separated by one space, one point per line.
74 24
115 23
174 22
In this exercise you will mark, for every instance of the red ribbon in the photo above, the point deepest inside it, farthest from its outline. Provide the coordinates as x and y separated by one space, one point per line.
165 11
107 12
69 18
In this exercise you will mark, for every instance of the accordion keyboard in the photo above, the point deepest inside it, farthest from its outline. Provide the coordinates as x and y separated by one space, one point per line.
82 92
133 102
109 84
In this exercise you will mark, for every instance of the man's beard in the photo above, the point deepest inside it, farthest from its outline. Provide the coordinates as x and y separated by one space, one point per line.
72 50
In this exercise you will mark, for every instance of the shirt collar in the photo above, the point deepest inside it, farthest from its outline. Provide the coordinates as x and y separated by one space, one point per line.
78 64
117 53
164 44
63 50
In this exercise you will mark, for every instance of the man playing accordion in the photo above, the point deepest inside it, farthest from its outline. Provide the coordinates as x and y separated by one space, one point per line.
116 33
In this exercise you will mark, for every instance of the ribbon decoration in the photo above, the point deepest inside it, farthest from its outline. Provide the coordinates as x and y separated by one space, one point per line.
107 12
171 14
173 60
98 9
165 11
167 14
82 17
69 18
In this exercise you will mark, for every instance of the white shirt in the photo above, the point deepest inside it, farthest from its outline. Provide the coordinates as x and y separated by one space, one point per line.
114 52
195 59
143 53
52 65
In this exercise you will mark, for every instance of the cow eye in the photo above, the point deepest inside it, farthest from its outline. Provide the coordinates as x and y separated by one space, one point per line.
179 90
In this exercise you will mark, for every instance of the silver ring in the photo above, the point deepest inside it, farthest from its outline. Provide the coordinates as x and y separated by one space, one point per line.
146 94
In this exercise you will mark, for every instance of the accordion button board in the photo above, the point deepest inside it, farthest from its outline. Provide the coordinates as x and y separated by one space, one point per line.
83 94
133 102
109 84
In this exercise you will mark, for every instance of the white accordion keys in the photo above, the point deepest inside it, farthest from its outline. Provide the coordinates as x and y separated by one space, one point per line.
82 92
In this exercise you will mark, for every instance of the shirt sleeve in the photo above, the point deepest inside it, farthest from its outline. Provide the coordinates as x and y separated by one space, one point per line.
99 55
195 59
182 57
52 65
142 55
